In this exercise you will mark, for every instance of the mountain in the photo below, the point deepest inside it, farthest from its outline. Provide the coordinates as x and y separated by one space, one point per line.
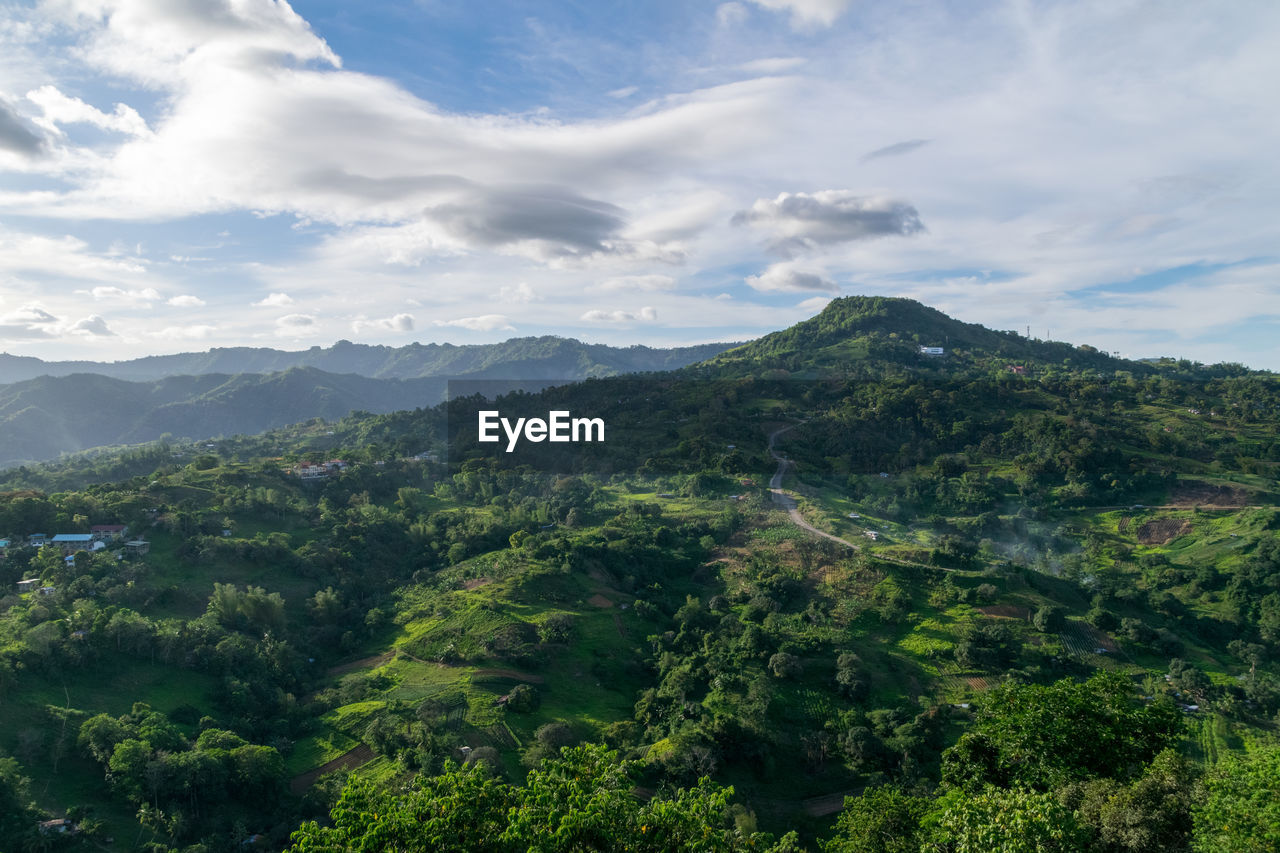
546 357
42 418
889 330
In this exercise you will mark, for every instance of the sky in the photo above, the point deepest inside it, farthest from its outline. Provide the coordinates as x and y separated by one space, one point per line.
182 174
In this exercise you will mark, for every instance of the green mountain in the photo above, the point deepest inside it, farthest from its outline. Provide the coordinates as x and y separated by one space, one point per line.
896 601
546 357
42 418
855 330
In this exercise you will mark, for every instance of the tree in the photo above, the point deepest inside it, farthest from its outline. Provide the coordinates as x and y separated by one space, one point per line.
1010 821
1043 735
882 819
1241 808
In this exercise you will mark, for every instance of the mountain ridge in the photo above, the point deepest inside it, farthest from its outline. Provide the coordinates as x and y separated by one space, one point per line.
544 357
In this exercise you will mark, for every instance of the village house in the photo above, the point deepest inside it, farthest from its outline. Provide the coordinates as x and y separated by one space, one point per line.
72 542
1017 369
28 585
318 471
109 532
934 352
137 548
38 540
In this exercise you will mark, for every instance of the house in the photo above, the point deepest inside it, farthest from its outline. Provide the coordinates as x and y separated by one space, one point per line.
934 352
309 471
109 531
1017 369
72 542
137 547
872 535
28 585
48 590
38 540
426 457
4 549
60 825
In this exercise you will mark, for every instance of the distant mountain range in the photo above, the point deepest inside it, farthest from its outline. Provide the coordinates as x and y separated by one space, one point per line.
546 357
51 408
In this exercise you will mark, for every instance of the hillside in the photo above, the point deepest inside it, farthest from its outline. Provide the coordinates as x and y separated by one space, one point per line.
519 358
45 417
884 580
874 331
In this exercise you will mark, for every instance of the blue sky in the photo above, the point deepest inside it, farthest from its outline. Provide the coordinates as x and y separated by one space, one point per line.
180 174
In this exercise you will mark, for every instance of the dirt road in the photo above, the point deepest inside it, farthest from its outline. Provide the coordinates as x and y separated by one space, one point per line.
784 500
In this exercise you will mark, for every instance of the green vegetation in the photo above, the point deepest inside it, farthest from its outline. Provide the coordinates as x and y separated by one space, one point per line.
1063 635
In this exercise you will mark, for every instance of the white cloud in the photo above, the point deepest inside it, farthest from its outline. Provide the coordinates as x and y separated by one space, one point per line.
731 14
60 109
645 315
773 65
185 333
274 300
814 304
634 284
32 314
185 300
295 325
119 294
93 326
521 293
624 92
783 277
482 323
807 14
398 323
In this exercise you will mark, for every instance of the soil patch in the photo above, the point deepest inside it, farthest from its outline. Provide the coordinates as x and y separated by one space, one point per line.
1005 611
1205 494
362 754
1162 531
599 600
363 663
475 583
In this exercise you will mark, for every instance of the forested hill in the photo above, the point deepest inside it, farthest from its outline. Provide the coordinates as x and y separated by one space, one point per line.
545 357
42 418
856 330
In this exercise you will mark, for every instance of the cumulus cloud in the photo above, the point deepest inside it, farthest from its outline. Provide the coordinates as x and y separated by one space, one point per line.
634 284
644 315
91 326
896 149
274 300
483 323
15 136
30 314
398 323
807 14
186 300
60 109
786 279
801 221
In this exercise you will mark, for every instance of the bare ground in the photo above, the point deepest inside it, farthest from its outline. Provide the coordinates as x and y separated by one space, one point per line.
1162 531
362 754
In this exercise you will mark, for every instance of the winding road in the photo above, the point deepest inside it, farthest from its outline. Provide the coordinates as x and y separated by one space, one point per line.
784 500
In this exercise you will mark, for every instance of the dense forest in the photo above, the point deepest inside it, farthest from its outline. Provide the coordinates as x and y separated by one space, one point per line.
1044 616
